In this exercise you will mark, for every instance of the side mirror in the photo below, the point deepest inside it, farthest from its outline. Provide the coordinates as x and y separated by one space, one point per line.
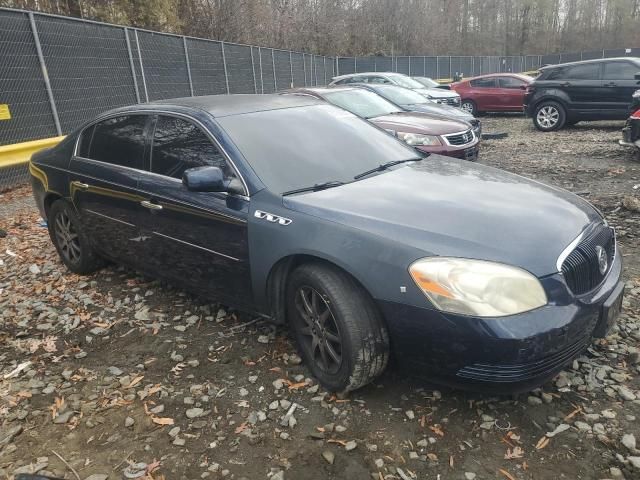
209 179
637 76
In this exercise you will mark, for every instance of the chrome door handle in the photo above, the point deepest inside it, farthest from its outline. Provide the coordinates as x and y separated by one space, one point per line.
150 206
80 185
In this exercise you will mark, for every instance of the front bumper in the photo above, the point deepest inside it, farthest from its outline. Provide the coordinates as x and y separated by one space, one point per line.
467 152
452 101
501 355
631 133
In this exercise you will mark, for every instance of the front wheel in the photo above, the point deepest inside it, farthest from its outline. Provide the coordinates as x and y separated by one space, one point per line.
339 332
549 116
469 106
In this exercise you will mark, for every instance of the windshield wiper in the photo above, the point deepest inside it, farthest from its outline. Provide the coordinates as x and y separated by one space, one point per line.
385 166
315 188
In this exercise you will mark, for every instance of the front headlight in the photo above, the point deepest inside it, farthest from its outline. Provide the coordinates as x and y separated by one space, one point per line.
477 287
416 139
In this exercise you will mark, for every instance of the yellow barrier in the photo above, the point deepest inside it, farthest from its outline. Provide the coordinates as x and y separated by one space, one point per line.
19 153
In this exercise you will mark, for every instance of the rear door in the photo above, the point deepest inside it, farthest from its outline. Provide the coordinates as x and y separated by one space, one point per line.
198 238
485 93
619 84
512 93
104 175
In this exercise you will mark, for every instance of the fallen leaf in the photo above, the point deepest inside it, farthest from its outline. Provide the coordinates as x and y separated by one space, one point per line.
339 442
517 452
241 428
135 381
162 420
436 429
573 414
506 474
543 442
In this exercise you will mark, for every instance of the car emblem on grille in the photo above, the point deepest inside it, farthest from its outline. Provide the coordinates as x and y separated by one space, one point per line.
603 262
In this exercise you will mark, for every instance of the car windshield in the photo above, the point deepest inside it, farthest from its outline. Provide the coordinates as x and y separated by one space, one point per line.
361 102
299 147
405 81
427 82
401 96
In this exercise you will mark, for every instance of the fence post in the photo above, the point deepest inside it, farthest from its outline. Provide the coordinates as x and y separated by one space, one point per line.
337 66
224 64
133 68
144 79
450 72
437 67
355 65
324 67
273 64
291 66
186 57
45 74
424 66
253 69
304 68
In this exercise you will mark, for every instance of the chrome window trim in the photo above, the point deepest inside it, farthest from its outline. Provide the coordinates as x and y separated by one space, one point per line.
162 112
197 246
469 130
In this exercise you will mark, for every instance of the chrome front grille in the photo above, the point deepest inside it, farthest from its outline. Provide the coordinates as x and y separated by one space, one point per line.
459 139
453 101
585 266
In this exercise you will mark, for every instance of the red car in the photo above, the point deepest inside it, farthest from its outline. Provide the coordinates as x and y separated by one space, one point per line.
498 92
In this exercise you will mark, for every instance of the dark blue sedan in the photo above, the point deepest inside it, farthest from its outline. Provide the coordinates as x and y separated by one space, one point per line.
296 210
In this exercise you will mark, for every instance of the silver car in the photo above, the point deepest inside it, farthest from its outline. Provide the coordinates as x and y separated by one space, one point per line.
438 95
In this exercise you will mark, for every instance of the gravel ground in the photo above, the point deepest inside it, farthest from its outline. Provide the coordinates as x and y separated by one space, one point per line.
119 376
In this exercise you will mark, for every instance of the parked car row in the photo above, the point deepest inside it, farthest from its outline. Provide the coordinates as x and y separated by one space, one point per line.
301 208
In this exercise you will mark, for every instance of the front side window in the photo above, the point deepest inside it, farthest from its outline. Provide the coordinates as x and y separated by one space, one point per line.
620 70
179 145
362 103
483 83
118 140
588 71
510 82
379 80
406 82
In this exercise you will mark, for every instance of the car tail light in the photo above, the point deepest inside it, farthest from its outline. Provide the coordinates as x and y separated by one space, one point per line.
529 89
636 115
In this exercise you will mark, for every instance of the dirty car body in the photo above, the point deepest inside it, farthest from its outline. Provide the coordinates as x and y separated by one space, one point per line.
275 223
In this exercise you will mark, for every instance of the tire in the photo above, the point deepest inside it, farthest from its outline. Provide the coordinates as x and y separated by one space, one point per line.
72 244
549 116
339 332
469 106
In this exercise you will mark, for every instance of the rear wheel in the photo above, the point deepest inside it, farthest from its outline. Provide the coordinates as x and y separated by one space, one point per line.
469 106
72 244
549 116
339 332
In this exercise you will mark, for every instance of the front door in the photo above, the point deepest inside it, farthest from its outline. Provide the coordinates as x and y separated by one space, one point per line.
197 238
583 84
104 177
619 85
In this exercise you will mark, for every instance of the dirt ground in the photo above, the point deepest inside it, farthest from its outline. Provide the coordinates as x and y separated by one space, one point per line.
120 376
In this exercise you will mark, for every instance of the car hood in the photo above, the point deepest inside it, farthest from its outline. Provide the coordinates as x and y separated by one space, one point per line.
448 207
439 109
437 92
420 123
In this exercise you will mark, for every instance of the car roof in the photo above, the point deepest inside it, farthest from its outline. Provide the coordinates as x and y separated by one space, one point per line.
505 74
226 105
594 60
347 75
322 90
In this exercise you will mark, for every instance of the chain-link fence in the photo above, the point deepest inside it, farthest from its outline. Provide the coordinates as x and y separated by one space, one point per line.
57 72
443 67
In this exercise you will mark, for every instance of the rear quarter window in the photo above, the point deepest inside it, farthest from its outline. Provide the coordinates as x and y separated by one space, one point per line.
620 70
483 83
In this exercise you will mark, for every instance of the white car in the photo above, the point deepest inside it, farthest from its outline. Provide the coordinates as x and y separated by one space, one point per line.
391 78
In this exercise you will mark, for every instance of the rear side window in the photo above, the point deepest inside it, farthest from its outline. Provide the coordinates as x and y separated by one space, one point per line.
118 140
379 80
179 145
620 70
588 71
483 83
510 82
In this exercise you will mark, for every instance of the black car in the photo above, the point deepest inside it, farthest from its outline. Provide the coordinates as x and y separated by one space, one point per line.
298 211
411 101
568 93
631 131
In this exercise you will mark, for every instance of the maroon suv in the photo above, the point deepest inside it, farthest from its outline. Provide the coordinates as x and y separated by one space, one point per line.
428 133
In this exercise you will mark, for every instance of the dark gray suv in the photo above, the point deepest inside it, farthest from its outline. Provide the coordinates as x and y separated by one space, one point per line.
589 90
